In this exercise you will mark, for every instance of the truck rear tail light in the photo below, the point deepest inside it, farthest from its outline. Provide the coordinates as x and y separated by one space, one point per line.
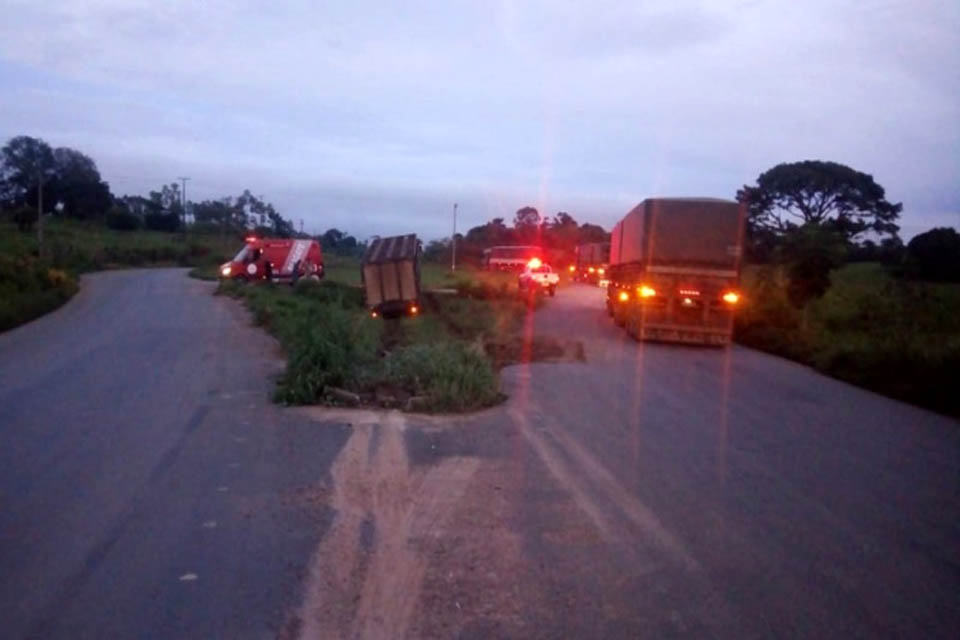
225 272
624 296
646 291
571 268
591 269
373 314
414 310
689 292
688 302
534 263
601 271
731 297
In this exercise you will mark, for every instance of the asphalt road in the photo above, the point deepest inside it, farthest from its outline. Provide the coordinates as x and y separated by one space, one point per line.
741 495
148 488
649 491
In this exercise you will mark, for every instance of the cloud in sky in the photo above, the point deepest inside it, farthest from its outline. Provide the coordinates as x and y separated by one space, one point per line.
376 118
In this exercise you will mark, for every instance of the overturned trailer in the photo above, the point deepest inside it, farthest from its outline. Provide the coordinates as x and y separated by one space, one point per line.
391 276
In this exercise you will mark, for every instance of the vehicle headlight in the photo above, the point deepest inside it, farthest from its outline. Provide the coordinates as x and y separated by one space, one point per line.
225 271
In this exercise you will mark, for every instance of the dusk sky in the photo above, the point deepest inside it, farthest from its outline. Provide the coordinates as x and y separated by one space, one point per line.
375 118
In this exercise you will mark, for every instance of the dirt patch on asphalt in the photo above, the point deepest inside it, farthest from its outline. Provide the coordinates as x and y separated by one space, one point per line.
517 349
365 578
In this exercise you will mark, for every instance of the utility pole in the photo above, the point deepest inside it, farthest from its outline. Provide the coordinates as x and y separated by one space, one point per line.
183 201
40 213
453 239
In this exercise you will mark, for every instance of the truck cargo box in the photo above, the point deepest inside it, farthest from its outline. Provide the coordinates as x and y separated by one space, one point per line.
391 275
675 269
702 232
593 253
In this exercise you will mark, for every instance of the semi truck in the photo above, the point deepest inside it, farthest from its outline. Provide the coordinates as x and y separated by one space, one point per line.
591 262
390 272
675 270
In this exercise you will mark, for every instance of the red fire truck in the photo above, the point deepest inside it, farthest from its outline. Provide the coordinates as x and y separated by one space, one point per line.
275 260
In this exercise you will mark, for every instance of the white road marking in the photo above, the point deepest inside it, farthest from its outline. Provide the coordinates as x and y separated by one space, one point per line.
223 488
188 577
209 524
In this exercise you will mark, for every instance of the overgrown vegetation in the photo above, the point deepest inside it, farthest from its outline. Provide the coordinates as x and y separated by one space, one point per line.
892 335
29 288
437 361
31 285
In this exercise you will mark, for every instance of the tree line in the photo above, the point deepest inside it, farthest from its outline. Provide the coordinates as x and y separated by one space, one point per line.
810 216
66 183
558 235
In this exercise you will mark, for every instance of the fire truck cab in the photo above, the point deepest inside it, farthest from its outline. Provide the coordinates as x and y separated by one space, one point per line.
275 260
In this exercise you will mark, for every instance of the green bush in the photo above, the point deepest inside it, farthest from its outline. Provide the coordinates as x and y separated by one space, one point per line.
25 218
452 375
29 288
162 222
935 255
122 220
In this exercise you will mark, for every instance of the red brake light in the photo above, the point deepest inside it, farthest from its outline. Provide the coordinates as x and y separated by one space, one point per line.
731 297
534 263
646 292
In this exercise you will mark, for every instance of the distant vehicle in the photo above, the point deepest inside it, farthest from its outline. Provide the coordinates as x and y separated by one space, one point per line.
391 276
276 260
675 269
591 262
538 276
510 258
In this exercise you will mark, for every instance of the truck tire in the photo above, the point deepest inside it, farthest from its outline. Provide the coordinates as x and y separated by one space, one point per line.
553 291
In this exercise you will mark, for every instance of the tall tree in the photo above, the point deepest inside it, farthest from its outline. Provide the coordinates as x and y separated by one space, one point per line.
527 224
815 192
26 162
76 186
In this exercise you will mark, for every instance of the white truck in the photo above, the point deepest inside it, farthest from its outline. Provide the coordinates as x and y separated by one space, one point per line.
538 276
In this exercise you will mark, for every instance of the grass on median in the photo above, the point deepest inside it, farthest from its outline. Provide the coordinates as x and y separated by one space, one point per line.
331 341
898 337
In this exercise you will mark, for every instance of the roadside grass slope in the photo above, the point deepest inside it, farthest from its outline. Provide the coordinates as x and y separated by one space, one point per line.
891 335
31 285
